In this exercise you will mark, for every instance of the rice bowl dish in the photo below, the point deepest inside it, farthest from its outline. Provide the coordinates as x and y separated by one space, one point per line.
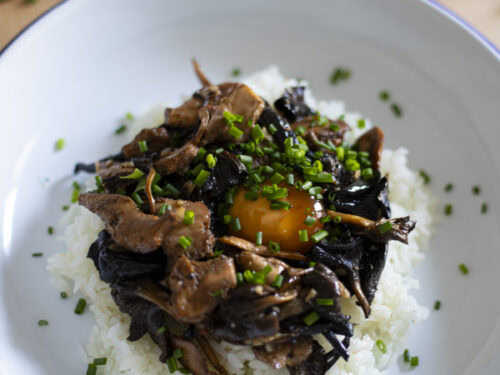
393 309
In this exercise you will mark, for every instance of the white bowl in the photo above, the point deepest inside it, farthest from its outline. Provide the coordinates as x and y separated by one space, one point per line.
81 67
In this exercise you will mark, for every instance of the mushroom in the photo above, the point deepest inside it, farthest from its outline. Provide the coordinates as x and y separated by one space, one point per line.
373 142
242 244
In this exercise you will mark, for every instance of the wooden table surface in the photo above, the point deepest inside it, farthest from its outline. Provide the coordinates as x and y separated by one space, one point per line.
482 14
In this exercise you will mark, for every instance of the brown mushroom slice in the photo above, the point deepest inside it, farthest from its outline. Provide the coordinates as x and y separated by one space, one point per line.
176 160
199 73
192 357
237 99
379 231
157 139
316 133
242 244
147 190
196 286
211 355
202 239
128 226
109 168
288 353
373 142
253 262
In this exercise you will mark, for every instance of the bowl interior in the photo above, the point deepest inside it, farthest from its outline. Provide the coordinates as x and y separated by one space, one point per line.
76 72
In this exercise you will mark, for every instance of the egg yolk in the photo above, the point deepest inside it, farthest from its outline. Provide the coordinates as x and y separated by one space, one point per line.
281 225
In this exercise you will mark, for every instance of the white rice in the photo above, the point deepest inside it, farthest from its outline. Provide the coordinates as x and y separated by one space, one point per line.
394 310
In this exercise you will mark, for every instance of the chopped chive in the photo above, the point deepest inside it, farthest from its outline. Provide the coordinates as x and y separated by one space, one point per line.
338 220
315 190
323 177
414 361
381 346
210 159
361 123
63 295
396 109
99 184
91 369
340 153
272 129
448 187
484 208
74 195
235 72
80 306
277 178
312 264
135 175
280 205
129 116
65 207
239 278
218 252
303 235
310 220
257 134
463 268
202 177
352 165
60 143
161 330
43 322
236 224
324 301
278 281
172 190
367 174
227 219
406 356
319 235
229 199
351 154
311 318
384 227
231 118
37 255
306 185
248 276
137 198
164 207
185 242
384 96
100 361
274 246
143 146
425 177
120 129
178 353
476 190
216 293
448 209
258 238
219 150
172 365
268 169
325 219
50 230
290 179
339 74
437 305
235 132
188 217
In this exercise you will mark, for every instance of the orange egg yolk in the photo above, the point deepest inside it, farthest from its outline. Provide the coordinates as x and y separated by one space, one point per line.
281 225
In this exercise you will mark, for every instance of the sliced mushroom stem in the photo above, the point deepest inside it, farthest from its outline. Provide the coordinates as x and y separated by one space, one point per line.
147 188
242 244
383 230
211 355
199 73
358 291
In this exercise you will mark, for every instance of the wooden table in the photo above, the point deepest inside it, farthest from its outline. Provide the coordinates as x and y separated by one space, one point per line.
482 14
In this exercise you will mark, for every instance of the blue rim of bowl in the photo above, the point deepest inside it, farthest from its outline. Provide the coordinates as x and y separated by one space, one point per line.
431 3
